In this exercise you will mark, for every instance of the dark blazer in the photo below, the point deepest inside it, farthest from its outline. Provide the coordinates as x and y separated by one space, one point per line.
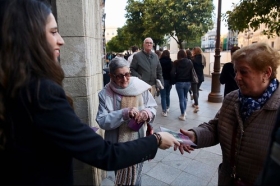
227 78
45 134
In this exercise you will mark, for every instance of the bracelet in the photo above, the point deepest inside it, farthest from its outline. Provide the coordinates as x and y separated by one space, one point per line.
158 136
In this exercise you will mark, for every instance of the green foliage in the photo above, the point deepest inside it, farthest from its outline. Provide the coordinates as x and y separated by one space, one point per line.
193 42
121 42
181 19
136 13
184 20
250 14
114 45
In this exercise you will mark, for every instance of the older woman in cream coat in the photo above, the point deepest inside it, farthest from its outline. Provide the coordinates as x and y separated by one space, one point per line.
124 99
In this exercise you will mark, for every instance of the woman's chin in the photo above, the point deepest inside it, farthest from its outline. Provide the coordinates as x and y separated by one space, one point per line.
124 85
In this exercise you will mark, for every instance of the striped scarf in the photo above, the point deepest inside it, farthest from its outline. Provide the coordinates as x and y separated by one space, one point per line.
132 174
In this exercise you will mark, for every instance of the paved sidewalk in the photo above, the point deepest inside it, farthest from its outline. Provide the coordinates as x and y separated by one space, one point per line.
170 167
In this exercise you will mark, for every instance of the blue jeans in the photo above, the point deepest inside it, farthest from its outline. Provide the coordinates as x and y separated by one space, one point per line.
165 95
182 91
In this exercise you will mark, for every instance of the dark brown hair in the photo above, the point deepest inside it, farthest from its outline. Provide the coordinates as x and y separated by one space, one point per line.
25 53
181 54
158 53
134 48
189 54
165 54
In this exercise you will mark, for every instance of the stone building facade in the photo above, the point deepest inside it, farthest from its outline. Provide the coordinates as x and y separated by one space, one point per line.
249 37
80 24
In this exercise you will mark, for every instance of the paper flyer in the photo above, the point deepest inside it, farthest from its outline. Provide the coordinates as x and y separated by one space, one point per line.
179 136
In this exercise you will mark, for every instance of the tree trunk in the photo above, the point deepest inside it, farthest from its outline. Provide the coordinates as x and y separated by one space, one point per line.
180 45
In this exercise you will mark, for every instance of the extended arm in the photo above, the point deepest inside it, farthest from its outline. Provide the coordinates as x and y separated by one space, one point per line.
58 123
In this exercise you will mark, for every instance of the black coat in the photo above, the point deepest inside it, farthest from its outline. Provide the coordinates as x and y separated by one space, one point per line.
227 78
166 65
46 134
182 71
198 67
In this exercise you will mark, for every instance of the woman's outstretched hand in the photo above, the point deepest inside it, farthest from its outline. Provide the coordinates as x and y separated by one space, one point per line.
190 134
184 147
167 141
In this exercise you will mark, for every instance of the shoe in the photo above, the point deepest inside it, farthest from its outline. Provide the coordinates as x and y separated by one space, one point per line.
196 109
164 114
159 85
191 97
182 117
167 110
193 105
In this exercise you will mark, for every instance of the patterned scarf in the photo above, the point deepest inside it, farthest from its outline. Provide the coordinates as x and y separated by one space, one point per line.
131 97
249 105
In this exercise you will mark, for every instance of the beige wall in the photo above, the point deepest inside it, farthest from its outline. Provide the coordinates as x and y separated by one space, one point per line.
210 59
110 32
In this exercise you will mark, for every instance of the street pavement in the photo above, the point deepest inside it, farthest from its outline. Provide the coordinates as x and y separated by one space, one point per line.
169 167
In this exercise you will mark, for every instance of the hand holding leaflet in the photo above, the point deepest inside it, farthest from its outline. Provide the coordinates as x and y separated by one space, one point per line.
180 137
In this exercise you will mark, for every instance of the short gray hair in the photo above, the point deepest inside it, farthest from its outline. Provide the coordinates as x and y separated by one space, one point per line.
117 62
148 38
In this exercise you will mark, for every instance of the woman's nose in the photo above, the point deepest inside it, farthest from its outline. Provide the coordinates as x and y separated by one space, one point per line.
60 40
237 76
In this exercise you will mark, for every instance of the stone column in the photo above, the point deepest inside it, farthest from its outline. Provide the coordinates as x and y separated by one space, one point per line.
81 58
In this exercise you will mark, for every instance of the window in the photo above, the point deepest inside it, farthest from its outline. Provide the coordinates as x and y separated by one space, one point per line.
113 33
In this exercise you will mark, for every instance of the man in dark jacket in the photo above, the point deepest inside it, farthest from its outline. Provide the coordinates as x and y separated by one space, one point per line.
146 66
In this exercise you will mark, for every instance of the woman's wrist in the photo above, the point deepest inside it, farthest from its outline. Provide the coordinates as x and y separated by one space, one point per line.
159 139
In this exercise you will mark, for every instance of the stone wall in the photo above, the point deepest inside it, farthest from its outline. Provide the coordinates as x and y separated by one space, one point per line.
81 58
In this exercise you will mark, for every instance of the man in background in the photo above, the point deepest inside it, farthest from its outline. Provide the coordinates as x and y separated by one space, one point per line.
134 49
146 66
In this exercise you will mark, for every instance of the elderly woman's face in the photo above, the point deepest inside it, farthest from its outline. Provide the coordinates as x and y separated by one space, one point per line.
251 82
121 77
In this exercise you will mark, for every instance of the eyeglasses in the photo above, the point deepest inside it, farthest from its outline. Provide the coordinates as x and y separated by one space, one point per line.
149 43
121 76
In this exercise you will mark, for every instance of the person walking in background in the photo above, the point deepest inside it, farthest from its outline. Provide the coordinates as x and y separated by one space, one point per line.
40 133
134 49
158 52
243 126
146 66
122 101
228 74
182 74
166 64
198 66
193 90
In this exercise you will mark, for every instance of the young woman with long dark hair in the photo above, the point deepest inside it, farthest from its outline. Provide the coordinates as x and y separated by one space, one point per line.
40 132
